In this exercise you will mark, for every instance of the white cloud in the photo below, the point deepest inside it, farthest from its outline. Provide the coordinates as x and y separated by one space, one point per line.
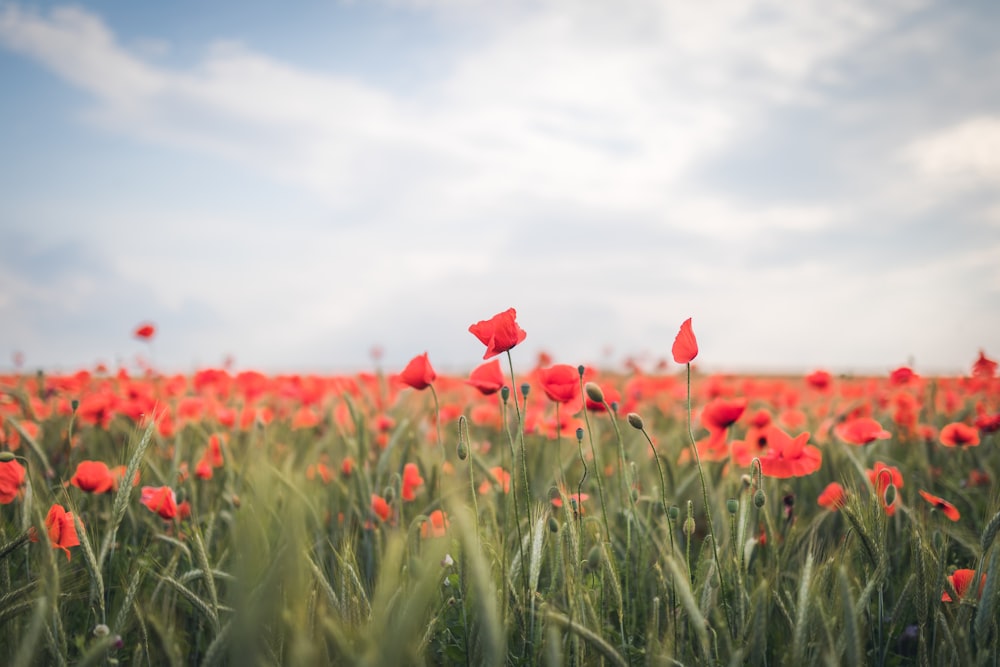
964 155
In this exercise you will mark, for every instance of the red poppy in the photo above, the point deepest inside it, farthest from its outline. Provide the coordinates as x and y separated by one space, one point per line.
418 373
720 413
789 457
487 378
685 347
575 500
499 333
561 383
501 475
435 526
958 434
833 497
861 431
319 470
144 331
62 529
946 508
902 375
93 477
881 482
961 580
753 444
411 480
347 466
380 507
11 480
984 367
161 500
713 447
819 380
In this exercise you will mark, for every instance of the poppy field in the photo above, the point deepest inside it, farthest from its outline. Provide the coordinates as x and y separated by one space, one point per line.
560 515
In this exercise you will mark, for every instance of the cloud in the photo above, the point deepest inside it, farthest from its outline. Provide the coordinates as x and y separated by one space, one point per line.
963 156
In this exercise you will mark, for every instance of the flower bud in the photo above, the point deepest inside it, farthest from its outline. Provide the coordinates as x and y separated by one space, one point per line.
525 388
505 393
732 506
7 457
759 498
635 495
594 392
674 512
579 434
890 494
553 525
635 421
74 404
745 482
594 558
463 450
580 370
389 494
689 525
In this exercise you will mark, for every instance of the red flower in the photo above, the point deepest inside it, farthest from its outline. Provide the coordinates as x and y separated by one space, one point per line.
499 333
713 447
418 373
881 482
411 480
487 378
575 500
833 497
11 480
902 375
561 383
93 477
501 475
958 434
720 414
62 529
685 347
788 457
161 500
380 507
861 431
819 380
960 581
984 367
946 508
435 526
144 331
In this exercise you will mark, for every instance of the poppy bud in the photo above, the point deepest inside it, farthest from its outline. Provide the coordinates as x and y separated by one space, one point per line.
463 450
635 495
759 498
594 392
525 388
74 404
594 558
505 393
579 434
890 494
689 525
580 369
732 506
389 494
553 525
674 513
635 421
7 457
614 406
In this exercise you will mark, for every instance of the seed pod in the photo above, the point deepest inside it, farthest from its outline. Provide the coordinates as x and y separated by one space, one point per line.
505 393
579 434
635 421
732 506
674 513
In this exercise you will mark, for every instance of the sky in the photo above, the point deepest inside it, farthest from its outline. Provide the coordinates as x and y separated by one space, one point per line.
815 184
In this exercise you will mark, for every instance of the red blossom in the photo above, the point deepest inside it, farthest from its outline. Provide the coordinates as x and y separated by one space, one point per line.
62 529
946 508
789 457
487 378
833 497
561 383
720 413
958 434
861 431
144 331
984 367
380 507
11 479
499 333
501 476
960 580
436 525
685 347
418 373
93 477
819 380
880 476
411 480
161 500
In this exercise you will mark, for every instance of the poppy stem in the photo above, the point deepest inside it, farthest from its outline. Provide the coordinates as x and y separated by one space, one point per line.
520 438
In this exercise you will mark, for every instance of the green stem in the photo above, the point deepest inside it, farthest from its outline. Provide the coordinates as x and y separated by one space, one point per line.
520 437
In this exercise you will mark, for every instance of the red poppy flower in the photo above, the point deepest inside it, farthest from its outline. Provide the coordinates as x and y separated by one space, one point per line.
861 431
380 507
713 447
62 529
161 500
902 375
435 526
720 413
487 378
946 508
685 347
789 457
819 380
93 477
418 373
960 581
411 480
984 367
501 475
11 480
753 444
833 497
957 434
499 333
318 470
144 331
881 482
575 499
561 383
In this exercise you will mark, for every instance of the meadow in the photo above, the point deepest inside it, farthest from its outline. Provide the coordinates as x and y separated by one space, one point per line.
565 515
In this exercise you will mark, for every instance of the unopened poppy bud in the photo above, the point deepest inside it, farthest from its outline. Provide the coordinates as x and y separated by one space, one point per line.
505 393
463 450
635 421
7 457
674 513
594 558
614 406
890 494
594 392
732 506
74 404
759 498
579 434
389 494
580 369
553 525
525 388
689 525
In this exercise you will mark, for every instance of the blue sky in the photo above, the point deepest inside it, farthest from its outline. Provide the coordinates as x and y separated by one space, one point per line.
815 184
